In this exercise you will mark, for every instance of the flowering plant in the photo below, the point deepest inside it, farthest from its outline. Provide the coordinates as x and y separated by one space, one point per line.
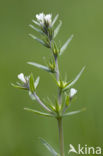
59 109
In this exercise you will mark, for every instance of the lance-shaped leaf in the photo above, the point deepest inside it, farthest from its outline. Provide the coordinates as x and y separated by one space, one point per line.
75 80
50 104
39 66
31 83
38 112
39 40
36 82
49 147
67 100
63 48
56 31
35 22
36 29
19 86
74 112
55 19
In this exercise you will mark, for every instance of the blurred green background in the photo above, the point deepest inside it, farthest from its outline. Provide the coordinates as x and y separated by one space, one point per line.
19 129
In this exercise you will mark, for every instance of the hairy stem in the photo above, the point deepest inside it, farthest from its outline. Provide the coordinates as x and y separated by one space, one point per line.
61 138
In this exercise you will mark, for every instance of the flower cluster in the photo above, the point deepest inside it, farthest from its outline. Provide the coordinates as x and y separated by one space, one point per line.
44 20
46 25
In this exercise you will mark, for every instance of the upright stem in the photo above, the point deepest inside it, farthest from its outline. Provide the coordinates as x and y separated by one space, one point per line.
57 78
60 124
61 138
57 68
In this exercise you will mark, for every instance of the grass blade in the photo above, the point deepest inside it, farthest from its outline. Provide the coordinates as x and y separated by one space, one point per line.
65 45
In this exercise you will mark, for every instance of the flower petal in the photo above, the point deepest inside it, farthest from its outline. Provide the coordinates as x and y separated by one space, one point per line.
72 92
21 77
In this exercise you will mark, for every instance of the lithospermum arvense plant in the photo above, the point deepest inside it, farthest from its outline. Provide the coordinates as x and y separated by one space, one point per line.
45 26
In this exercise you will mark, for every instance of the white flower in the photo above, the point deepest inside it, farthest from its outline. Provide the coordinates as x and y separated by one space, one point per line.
21 77
72 92
48 18
42 18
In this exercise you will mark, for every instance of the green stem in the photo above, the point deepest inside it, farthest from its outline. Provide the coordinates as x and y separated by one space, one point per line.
61 138
60 124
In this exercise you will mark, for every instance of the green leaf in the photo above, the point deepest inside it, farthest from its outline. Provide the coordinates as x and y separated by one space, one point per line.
63 48
49 147
74 112
37 82
31 96
39 40
55 19
75 80
31 83
50 104
18 86
39 66
56 31
35 22
38 112
67 100
36 29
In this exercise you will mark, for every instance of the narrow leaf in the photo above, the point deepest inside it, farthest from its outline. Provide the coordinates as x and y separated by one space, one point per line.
19 87
74 112
39 40
50 104
75 80
31 83
56 31
39 66
36 29
36 82
38 112
55 19
49 147
35 22
65 45
67 100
